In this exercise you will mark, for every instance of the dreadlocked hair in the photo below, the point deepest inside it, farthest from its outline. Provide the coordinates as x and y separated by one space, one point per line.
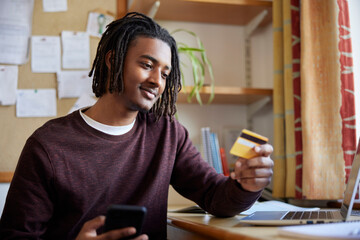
117 38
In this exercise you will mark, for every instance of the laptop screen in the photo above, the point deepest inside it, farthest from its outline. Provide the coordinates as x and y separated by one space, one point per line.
352 184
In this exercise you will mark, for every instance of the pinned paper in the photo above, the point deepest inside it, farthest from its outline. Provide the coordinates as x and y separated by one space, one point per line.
8 83
15 25
55 5
97 22
85 100
76 50
72 84
36 103
45 54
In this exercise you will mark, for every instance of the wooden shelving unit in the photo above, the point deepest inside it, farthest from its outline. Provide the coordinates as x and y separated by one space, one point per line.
227 95
235 12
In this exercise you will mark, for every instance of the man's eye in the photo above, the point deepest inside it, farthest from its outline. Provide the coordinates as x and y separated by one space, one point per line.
147 65
165 75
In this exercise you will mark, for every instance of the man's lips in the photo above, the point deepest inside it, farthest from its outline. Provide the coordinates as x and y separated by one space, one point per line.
149 92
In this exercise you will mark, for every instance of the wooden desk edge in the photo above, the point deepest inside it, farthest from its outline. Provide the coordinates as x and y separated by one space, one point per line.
205 230
5 177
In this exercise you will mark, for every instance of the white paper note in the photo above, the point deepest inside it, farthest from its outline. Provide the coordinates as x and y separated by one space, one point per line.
45 54
55 5
36 103
76 50
97 23
8 83
15 30
326 231
72 84
84 100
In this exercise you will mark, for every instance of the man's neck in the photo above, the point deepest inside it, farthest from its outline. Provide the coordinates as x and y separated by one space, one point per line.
108 110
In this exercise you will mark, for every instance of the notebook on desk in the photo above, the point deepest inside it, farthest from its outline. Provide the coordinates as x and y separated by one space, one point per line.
309 217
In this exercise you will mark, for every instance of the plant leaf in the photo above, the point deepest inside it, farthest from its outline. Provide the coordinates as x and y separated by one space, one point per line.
198 64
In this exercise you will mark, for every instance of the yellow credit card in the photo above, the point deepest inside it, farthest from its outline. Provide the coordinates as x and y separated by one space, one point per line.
243 146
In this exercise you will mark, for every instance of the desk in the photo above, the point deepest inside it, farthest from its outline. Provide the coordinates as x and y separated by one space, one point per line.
205 226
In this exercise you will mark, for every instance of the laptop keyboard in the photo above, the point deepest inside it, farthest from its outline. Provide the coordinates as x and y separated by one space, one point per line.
355 212
309 215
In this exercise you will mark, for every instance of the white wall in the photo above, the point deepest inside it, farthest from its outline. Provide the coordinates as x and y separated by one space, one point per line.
224 45
354 8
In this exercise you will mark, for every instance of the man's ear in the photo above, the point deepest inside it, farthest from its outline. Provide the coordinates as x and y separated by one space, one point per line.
108 59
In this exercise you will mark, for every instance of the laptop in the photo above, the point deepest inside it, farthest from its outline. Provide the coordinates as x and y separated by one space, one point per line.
276 218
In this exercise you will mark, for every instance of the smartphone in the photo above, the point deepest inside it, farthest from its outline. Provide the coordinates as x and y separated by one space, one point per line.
121 216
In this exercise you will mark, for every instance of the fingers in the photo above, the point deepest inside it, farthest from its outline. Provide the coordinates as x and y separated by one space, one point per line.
255 174
252 179
142 237
258 162
264 150
119 233
94 224
88 231
254 184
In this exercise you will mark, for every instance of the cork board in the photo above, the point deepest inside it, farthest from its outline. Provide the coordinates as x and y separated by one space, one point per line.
14 131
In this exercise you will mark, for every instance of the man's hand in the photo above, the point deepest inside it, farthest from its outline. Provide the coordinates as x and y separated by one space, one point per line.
255 174
88 231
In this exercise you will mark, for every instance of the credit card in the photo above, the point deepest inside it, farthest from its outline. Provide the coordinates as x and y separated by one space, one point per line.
243 146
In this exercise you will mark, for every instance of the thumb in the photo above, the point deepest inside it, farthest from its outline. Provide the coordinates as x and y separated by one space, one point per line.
94 223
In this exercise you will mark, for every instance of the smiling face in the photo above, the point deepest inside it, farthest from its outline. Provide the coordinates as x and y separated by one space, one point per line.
147 65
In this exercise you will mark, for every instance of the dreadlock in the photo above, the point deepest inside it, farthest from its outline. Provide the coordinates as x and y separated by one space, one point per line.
117 38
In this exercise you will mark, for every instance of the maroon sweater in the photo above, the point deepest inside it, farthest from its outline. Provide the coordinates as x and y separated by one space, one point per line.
69 173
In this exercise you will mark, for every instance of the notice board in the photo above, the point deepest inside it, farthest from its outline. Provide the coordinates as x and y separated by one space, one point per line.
14 131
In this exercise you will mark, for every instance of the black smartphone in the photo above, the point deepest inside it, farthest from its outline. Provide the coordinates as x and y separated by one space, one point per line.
121 216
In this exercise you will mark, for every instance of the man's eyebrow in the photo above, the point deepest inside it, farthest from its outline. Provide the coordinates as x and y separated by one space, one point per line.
154 60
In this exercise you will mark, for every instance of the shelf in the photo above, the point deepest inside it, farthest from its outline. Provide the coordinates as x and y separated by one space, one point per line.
234 12
227 95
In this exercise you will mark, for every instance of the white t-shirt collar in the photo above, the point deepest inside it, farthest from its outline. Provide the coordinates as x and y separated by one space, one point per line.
112 130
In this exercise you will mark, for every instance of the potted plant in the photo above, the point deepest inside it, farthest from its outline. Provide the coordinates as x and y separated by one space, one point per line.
200 64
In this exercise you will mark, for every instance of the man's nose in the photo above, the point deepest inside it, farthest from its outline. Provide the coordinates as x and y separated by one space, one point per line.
155 77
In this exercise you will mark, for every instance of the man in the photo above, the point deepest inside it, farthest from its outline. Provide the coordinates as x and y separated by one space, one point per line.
126 149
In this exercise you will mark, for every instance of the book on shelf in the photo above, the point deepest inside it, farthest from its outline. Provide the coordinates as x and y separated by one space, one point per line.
224 162
215 152
205 136
212 151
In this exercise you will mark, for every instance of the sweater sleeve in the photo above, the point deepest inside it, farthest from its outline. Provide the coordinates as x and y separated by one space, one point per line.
194 179
28 206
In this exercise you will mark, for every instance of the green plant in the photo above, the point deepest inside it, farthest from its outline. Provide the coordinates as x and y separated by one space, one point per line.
199 64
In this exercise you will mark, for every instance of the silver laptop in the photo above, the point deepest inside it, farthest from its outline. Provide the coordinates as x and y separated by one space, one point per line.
309 217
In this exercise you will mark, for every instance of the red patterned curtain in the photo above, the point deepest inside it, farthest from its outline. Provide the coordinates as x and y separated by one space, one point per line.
347 111
314 106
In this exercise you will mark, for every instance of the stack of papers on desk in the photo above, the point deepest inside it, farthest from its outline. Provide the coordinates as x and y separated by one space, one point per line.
274 205
328 231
